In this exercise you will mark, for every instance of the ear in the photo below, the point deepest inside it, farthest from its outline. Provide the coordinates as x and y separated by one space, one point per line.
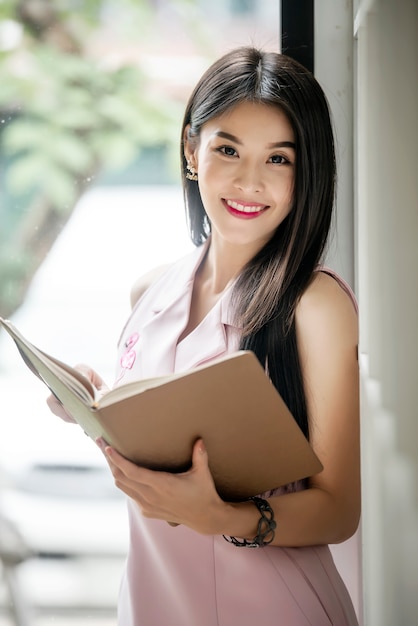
190 144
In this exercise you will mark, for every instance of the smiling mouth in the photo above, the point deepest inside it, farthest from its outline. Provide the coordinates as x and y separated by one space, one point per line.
253 209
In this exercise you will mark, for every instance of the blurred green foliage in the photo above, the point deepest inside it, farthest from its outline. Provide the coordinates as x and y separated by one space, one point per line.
66 115
75 120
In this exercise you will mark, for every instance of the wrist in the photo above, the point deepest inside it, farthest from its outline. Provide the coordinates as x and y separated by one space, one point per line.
239 519
266 527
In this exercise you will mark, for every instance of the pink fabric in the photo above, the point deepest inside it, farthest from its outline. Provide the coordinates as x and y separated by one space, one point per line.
176 577
341 282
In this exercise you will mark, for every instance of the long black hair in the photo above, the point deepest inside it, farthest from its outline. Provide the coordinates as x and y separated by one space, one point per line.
269 287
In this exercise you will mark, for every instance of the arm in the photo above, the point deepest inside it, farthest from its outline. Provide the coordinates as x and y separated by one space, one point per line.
326 512
327 335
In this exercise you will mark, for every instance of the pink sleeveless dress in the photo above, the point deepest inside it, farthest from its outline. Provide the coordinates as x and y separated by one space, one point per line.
174 576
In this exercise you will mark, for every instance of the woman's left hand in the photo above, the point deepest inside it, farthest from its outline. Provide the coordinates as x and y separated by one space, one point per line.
189 498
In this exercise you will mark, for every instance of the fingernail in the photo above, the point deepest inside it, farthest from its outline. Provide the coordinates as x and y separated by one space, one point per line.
101 443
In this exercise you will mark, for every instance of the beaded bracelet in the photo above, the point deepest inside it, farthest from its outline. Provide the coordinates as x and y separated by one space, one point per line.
265 530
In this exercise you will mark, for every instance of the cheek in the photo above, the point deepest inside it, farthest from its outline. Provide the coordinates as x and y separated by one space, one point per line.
208 195
210 169
213 180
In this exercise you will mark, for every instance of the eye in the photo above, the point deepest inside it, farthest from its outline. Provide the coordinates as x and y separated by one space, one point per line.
227 151
279 159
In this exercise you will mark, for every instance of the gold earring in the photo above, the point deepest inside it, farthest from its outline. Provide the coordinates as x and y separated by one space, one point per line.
191 173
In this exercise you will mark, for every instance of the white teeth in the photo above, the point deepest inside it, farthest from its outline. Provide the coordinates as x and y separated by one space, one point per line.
244 208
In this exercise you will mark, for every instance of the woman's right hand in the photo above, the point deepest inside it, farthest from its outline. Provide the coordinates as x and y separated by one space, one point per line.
97 381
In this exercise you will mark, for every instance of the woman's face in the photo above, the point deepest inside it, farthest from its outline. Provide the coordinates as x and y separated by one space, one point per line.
245 160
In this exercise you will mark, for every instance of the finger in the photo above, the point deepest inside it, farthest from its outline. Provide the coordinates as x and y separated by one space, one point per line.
114 467
102 443
133 494
131 470
55 406
91 375
200 464
199 455
132 488
136 491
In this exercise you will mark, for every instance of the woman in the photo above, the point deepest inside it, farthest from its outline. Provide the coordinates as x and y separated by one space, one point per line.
258 173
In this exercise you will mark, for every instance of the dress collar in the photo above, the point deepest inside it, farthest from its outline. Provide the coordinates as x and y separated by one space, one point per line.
183 281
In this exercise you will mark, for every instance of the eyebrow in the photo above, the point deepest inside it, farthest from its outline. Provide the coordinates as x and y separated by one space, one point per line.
277 144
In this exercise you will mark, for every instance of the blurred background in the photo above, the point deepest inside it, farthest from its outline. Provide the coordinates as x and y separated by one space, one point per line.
92 95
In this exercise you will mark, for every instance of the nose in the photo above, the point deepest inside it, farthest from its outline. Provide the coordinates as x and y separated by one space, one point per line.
248 177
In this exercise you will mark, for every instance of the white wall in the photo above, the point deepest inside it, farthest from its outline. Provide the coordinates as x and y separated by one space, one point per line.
333 36
366 58
334 50
386 155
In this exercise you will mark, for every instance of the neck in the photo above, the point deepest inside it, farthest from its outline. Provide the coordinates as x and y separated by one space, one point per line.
223 263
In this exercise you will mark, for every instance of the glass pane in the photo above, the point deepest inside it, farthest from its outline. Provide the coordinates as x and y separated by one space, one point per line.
90 111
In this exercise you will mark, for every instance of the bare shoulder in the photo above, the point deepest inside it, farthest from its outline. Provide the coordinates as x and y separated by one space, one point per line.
326 308
146 280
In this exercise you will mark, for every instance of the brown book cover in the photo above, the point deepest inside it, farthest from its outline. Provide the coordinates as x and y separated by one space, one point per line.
253 441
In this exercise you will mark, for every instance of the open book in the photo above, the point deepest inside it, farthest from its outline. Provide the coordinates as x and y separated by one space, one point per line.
253 442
